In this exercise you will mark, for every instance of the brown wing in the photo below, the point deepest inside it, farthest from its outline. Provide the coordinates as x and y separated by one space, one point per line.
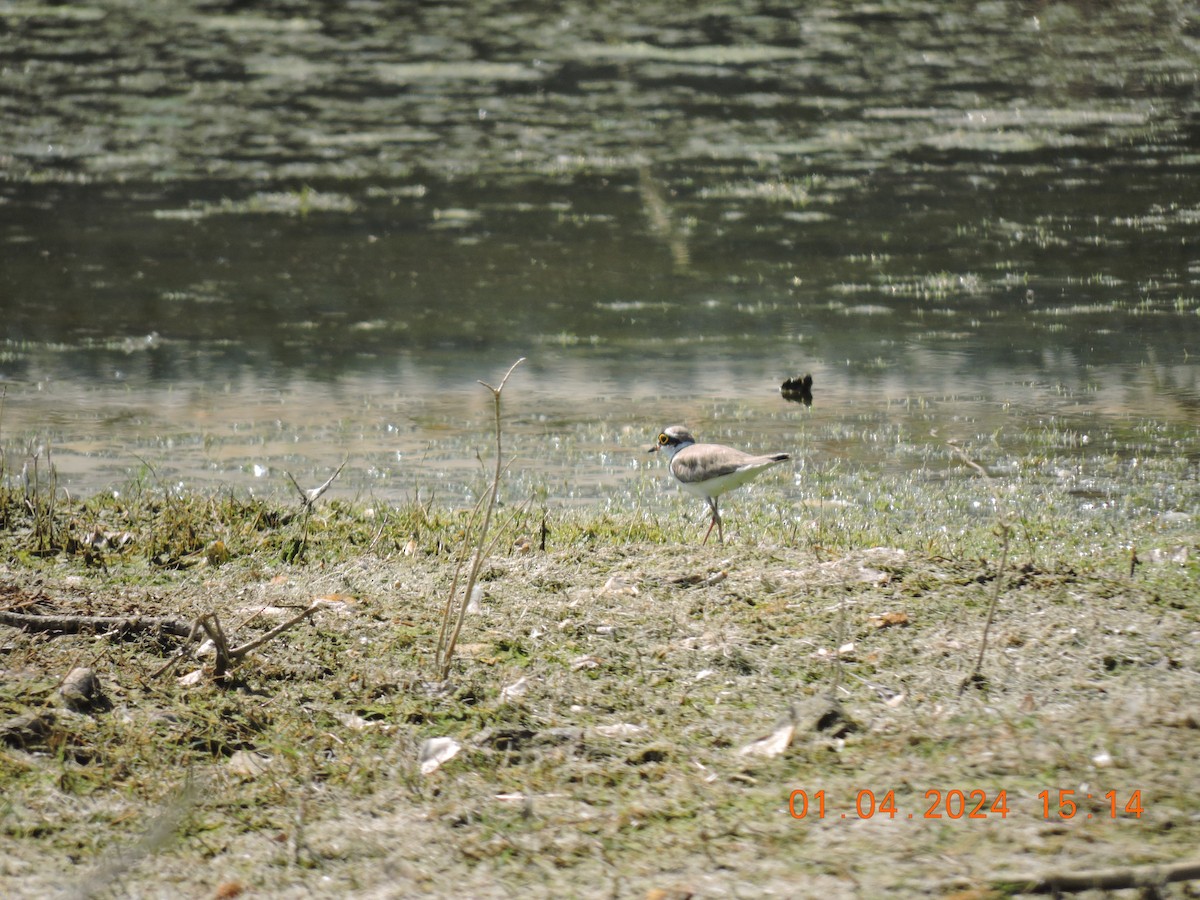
700 462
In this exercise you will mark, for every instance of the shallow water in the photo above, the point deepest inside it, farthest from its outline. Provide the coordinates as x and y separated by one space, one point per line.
241 243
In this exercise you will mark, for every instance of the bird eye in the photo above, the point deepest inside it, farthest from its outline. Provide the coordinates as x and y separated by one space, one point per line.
663 439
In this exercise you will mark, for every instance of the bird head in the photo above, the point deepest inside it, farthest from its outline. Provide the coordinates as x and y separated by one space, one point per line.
672 439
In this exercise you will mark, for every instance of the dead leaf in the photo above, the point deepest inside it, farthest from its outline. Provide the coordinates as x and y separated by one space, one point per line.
191 678
846 651
773 744
436 751
669 894
248 763
515 690
888 619
620 585
335 600
353 721
620 730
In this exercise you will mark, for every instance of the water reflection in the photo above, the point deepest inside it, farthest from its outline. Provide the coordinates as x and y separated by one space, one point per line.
242 241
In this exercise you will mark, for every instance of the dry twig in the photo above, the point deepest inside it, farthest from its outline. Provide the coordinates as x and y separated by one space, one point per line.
1004 532
228 656
308 500
448 638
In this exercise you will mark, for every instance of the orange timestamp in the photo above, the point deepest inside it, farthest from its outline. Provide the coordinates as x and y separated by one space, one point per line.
960 804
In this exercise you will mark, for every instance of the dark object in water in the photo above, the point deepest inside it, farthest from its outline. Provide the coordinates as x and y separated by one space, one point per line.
798 389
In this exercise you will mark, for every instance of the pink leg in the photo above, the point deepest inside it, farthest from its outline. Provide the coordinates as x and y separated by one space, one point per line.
716 520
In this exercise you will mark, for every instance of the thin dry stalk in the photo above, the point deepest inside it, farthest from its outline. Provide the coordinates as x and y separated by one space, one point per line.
842 627
310 497
308 500
446 644
1004 532
41 512
463 552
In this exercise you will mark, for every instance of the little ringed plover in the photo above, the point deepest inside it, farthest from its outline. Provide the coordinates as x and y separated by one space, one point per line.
709 470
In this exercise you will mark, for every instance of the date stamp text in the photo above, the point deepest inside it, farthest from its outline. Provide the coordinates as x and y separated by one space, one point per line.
954 803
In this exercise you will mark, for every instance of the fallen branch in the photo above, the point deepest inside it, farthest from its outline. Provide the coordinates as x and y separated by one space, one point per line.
77 624
1102 879
226 656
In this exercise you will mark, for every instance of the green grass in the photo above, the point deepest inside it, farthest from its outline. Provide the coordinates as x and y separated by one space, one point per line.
613 624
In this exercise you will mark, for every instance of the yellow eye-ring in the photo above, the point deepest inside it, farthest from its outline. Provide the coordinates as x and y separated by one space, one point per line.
663 439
